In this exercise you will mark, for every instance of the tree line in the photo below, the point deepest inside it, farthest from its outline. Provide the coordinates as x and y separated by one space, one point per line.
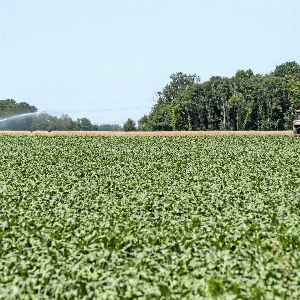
44 121
246 101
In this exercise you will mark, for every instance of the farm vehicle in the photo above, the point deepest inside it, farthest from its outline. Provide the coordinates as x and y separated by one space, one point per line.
296 122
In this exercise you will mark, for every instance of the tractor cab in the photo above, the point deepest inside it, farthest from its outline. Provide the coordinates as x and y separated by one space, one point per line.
296 122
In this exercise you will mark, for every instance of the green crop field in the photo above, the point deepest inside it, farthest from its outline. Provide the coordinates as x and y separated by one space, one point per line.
149 218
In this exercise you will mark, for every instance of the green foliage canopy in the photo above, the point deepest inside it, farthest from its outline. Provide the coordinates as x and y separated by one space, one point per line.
129 125
247 101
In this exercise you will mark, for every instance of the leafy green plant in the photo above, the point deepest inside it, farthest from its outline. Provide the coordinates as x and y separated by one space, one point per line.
149 218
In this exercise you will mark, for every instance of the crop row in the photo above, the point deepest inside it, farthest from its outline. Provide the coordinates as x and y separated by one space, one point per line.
149 218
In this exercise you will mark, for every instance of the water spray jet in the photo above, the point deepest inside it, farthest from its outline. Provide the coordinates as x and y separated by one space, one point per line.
26 115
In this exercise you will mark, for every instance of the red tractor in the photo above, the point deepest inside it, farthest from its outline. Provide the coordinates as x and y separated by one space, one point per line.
296 122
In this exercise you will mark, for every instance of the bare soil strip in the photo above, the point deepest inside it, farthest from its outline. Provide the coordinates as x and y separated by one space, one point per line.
147 133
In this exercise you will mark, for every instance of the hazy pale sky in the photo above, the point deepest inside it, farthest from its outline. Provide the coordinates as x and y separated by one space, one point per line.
106 59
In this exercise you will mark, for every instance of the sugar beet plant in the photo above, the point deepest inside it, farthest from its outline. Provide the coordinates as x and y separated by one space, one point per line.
149 218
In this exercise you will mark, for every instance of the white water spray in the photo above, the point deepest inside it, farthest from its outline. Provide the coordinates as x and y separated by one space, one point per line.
22 116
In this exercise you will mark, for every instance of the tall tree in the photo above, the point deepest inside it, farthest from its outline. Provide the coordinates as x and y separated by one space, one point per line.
287 69
129 125
246 101
236 106
83 124
143 124
65 123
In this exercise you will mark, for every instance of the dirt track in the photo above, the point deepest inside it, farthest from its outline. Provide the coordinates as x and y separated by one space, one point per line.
149 133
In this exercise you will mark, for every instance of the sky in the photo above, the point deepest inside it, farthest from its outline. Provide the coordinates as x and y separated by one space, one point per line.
107 59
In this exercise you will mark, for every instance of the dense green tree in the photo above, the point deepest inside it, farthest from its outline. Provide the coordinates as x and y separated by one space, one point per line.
143 124
287 69
162 115
83 124
247 101
10 107
129 125
65 123
179 82
236 107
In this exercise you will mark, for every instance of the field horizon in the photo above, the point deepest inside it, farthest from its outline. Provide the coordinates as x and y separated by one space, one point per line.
148 133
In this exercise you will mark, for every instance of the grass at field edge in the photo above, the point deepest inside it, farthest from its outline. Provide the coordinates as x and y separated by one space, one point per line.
147 133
